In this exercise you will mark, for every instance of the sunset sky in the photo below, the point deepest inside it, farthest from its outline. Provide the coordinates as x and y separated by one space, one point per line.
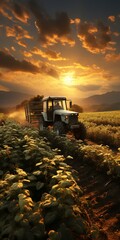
66 47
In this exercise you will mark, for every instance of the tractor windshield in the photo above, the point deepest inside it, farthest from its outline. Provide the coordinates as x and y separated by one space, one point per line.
59 104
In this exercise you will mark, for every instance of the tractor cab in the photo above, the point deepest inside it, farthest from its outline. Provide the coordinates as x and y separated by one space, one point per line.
51 104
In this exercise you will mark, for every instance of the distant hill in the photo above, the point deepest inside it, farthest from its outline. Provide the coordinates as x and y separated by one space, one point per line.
102 107
104 102
11 99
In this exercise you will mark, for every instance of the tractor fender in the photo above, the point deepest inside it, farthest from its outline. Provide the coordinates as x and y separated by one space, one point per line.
44 115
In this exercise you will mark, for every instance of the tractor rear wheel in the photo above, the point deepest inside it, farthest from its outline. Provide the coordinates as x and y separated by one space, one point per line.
80 133
59 128
41 124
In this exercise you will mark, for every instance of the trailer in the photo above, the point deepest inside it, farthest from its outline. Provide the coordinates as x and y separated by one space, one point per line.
33 111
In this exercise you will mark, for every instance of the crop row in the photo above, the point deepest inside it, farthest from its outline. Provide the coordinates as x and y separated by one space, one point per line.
103 127
102 157
105 118
103 134
39 194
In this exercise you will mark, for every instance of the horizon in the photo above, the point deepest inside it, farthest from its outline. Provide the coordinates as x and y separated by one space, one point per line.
113 96
48 47
55 95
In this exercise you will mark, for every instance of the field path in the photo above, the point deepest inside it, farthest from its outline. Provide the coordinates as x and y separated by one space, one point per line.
103 195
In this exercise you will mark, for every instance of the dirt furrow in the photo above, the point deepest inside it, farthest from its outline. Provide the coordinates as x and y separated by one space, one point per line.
103 195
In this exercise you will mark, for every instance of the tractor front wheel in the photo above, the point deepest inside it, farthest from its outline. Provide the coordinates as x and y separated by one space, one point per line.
59 128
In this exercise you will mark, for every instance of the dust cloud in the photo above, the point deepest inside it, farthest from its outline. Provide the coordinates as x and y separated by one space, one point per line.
18 116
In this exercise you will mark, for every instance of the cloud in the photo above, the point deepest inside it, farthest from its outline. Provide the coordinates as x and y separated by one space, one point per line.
87 87
7 50
19 11
4 6
96 39
1 74
52 55
18 32
10 32
49 54
9 62
51 30
75 21
13 49
112 18
46 68
14 86
116 34
108 76
83 73
27 54
112 57
22 43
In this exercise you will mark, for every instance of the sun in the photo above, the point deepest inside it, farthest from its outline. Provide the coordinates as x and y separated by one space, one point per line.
68 80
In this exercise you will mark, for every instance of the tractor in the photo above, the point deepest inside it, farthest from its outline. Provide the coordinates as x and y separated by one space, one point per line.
54 112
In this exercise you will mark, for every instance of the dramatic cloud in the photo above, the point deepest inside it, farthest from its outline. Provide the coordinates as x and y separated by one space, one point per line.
9 62
14 86
18 10
4 6
117 34
44 42
112 18
22 43
18 32
13 49
1 26
46 68
112 57
108 76
49 54
51 30
27 54
6 50
0 74
96 39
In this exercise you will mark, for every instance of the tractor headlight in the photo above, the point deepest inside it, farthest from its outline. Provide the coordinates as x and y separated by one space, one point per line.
66 117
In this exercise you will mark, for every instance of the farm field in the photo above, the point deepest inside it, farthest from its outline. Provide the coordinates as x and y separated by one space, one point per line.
44 175
103 127
40 197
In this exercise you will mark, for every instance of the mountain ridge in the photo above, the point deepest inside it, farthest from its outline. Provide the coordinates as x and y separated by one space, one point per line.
102 102
108 97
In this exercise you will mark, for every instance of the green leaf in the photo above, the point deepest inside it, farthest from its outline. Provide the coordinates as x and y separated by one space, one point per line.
18 217
66 183
65 232
53 235
50 217
37 173
16 186
39 185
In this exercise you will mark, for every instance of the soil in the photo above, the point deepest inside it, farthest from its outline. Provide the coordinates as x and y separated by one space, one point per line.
103 194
